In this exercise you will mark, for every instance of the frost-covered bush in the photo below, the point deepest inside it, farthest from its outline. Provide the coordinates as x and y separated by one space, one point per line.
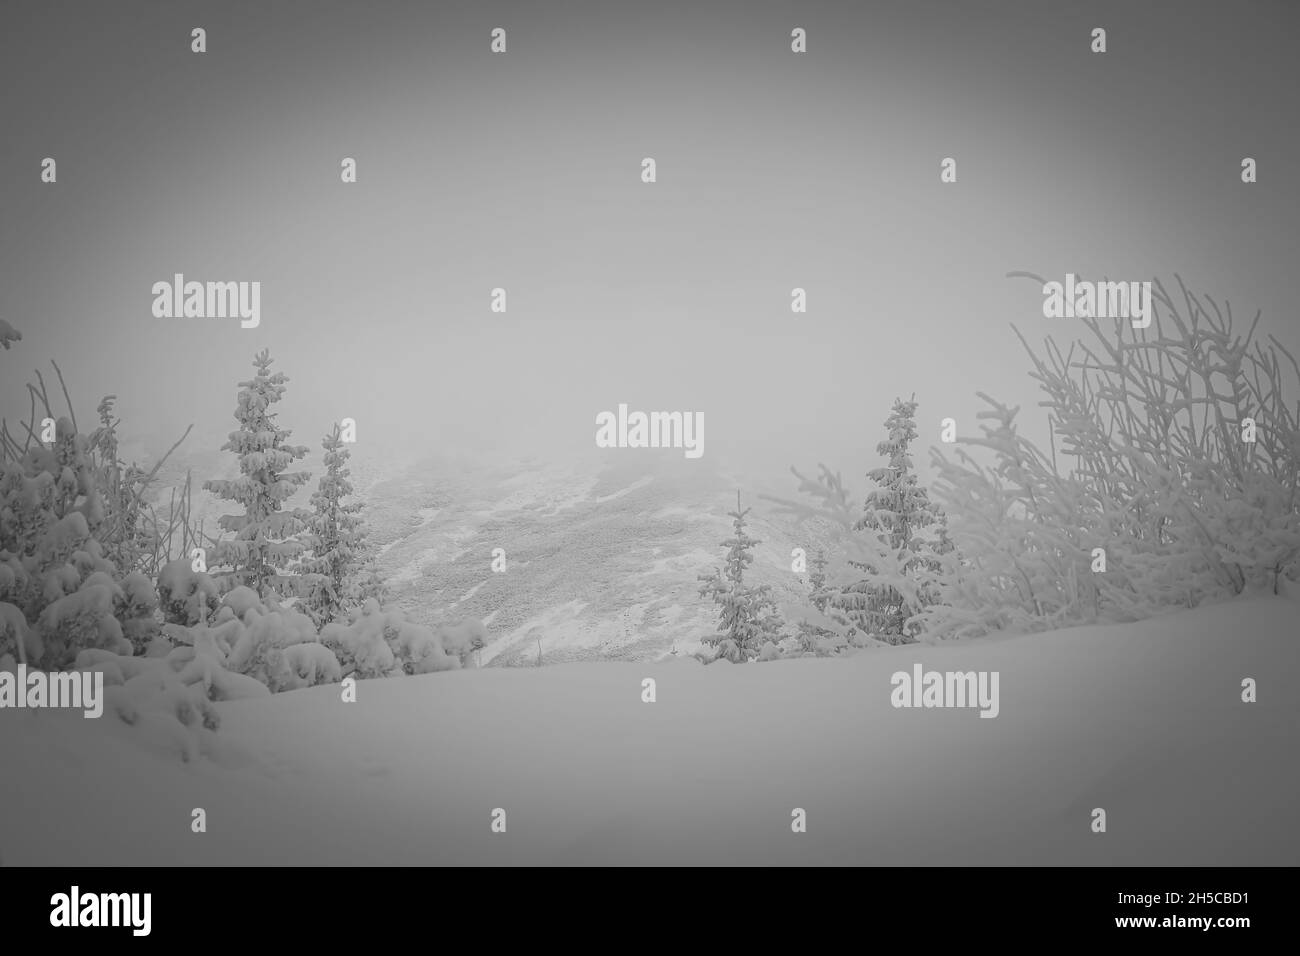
463 639
311 663
48 510
269 647
379 642
360 644
238 602
420 649
81 620
185 596
258 638
818 634
708 653
168 700
136 607
1150 468
18 642
53 567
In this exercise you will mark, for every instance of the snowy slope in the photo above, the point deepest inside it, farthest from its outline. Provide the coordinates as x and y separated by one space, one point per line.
1144 720
602 555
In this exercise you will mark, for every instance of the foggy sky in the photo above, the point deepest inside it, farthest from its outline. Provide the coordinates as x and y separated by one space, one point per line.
522 170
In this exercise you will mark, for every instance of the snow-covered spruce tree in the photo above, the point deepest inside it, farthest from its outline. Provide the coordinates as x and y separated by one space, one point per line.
810 638
817 593
747 617
335 576
905 529
264 540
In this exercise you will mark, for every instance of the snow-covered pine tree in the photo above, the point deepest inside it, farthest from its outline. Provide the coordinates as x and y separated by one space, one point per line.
368 583
748 616
811 637
264 540
817 593
335 573
907 530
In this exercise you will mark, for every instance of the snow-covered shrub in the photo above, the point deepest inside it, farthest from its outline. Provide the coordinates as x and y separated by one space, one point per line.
185 596
204 663
463 639
53 566
256 636
135 607
708 652
239 601
817 634
418 648
168 699
81 620
360 644
311 663
1151 468
170 716
251 646
379 642
18 642
48 509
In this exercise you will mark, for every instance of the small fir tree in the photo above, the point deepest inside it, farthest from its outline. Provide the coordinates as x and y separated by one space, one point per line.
747 617
336 576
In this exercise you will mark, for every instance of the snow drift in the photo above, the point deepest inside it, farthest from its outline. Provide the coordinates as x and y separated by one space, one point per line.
1145 720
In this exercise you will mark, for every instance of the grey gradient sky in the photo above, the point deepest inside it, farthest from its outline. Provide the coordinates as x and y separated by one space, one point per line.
775 170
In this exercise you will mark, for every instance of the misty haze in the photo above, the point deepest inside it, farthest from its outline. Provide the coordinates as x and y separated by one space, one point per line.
486 434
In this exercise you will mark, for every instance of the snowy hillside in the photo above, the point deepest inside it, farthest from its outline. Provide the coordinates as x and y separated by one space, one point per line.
602 555
1144 720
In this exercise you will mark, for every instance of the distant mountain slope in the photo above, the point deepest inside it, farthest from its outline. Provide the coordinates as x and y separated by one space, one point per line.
602 556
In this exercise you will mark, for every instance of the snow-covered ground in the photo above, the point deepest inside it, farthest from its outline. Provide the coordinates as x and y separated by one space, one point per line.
1145 721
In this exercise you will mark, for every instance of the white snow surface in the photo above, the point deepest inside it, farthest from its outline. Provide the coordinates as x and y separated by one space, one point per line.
1145 720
